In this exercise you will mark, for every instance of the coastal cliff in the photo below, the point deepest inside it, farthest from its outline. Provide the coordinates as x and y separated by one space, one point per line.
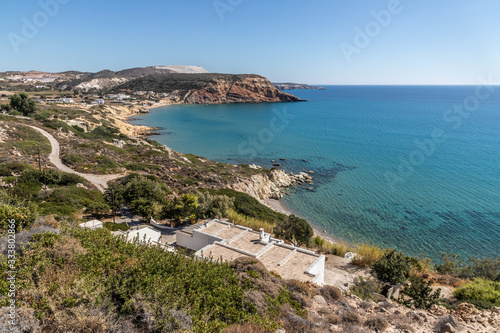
270 185
207 88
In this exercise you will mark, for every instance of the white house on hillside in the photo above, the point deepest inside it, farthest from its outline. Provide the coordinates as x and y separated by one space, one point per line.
144 235
94 224
218 239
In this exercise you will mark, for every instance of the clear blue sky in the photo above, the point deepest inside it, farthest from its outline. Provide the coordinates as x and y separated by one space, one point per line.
427 42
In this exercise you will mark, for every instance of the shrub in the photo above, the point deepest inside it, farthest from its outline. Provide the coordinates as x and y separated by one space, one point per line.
294 229
249 206
351 318
365 288
420 293
116 226
378 324
451 264
480 292
331 293
392 267
488 268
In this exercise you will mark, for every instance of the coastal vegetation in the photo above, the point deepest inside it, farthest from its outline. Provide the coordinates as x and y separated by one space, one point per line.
88 280
105 282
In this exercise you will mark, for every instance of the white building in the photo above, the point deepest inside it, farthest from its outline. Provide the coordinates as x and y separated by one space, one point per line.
144 235
78 123
221 240
94 224
98 101
67 100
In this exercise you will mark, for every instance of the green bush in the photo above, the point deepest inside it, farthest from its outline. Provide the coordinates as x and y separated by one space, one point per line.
420 293
22 103
116 226
249 206
393 267
487 268
73 159
6 169
294 229
482 293
366 288
146 195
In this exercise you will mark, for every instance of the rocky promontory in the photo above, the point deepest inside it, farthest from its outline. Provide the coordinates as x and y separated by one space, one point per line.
207 88
270 185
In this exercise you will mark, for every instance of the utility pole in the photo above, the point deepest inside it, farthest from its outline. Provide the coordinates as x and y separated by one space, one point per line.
39 160
113 199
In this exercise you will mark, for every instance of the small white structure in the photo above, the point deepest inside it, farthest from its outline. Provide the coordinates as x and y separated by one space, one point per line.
219 239
94 224
98 101
144 235
79 123
119 143
67 100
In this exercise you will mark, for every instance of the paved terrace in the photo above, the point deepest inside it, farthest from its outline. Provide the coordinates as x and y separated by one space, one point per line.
236 241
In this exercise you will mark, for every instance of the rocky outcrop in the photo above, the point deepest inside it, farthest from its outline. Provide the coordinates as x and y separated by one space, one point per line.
271 185
100 84
251 89
207 88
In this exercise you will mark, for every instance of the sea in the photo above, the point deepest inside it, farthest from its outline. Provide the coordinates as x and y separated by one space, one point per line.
415 168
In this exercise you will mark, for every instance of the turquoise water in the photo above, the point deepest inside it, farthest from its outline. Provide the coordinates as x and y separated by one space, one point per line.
416 168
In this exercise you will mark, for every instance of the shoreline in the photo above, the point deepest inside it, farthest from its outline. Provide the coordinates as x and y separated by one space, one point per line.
276 205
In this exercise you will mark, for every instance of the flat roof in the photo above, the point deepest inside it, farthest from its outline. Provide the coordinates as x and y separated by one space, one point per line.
217 252
288 261
296 265
230 232
213 227
250 242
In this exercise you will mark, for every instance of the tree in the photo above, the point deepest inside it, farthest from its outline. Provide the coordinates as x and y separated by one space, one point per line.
145 195
213 205
294 229
420 293
393 267
22 103
184 207
96 208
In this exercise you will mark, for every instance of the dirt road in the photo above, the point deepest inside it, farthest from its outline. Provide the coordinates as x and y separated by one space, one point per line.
100 181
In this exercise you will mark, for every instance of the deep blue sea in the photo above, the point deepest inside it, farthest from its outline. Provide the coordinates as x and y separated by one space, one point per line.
416 168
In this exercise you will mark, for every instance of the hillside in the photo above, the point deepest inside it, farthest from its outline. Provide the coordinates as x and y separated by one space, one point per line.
208 88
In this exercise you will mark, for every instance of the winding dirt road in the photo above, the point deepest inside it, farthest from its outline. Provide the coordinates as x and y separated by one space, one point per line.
100 181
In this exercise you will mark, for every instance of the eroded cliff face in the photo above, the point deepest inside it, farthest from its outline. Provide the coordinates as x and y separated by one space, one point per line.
248 90
271 185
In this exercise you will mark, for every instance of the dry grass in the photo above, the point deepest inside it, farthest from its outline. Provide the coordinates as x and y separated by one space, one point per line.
338 249
331 293
378 324
367 254
250 222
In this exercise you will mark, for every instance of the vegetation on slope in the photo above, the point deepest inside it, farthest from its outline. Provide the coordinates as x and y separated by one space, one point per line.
90 281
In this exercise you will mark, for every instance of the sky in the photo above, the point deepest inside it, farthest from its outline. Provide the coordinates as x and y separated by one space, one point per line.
315 42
